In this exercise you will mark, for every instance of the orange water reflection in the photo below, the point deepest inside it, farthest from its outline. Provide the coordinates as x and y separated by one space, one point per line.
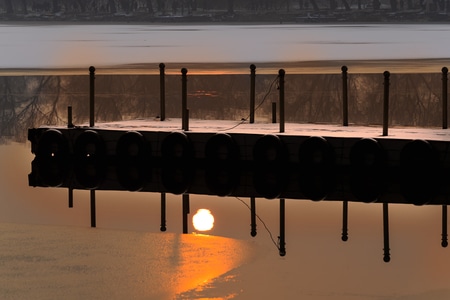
203 258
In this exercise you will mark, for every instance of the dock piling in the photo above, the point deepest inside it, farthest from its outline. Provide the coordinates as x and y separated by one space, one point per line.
91 96
162 92
281 74
344 70
252 93
386 103
444 97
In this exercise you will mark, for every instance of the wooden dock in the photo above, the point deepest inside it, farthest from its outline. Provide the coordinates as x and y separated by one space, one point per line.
235 158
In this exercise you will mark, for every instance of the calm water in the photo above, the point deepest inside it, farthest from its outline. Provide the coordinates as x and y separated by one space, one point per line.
48 251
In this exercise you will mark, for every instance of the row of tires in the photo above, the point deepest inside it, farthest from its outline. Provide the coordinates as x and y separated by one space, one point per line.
316 169
268 149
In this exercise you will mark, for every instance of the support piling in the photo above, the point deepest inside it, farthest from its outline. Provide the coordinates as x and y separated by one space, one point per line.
282 238
387 255
344 236
163 212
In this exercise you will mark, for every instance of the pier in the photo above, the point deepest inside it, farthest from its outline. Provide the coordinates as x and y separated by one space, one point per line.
246 158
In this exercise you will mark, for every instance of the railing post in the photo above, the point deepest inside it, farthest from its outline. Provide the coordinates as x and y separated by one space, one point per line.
387 255
386 103
281 74
91 96
69 117
252 93
344 96
274 112
444 97
162 92
183 97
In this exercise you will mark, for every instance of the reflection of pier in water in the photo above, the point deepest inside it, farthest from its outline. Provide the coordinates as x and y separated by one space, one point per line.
316 162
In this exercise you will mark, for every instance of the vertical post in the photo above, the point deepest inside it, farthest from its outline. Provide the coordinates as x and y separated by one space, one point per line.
163 212
70 197
282 240
252 93
444 242
253 216
162 92
281 74
91 96
274 112
93 214
387 255
386 103
344 236
183 97
344 70
69 117
185 212
444 97
186 122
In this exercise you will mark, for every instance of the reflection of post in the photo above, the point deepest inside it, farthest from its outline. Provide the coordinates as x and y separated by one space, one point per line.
183 97
163 212
70 197
252 93
444 242
281 74
344 96
444 97
386 103
344 221
93 216
387 255
185 212
282 241
253 216
162 92
91 95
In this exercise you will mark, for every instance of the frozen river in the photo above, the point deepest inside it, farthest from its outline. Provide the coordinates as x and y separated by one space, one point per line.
78 46
48 251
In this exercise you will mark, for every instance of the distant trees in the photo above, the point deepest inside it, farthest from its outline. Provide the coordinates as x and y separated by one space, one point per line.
186 7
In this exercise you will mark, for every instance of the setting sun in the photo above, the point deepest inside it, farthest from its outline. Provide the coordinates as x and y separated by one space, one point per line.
203 220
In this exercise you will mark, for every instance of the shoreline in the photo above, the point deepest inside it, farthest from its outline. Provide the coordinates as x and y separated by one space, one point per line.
423 65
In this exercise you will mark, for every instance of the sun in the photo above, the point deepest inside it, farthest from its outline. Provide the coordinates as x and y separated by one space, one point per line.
203 220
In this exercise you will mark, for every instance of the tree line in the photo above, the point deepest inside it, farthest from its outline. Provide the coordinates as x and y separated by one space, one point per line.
187 7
